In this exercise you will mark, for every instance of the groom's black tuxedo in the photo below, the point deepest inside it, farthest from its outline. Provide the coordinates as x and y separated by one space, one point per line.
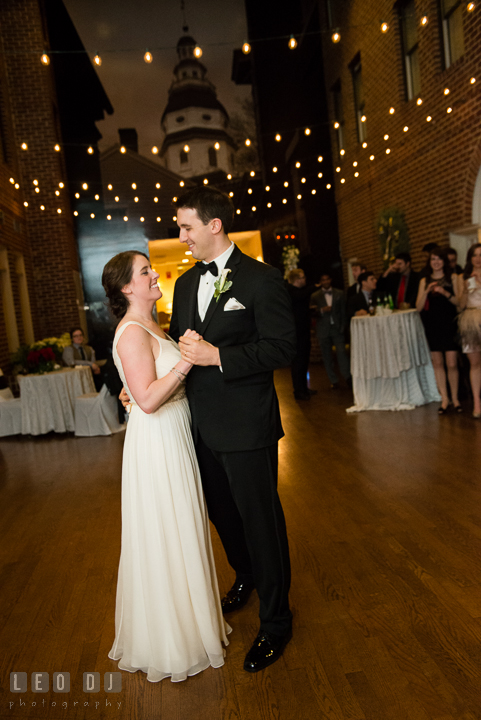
236 423
237 408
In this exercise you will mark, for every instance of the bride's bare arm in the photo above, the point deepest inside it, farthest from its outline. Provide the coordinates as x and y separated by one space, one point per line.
135 350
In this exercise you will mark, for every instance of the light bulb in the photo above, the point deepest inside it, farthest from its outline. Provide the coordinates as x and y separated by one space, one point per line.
186 148
77 195
158 219
252 173
274 169
388 150
123 149
229 177
470 6
231 194
342 151
37 190
157 185
24 146
97 197
336 125
142 219
313 192
405 128
278 137
364 145
338 169
35 182
354 164
182 183
206 182
419 101
254 208
284 201
320 158
292 43
155 150
116 198
286 184
246 48
57 192
98 60
248 142
446 91
109 217
449 110
198 51
56 147
303 180
249 191
371 157
336 37
125 218
45 60
136 199
473 80
148 57
217 146
269 205
59 210
307 131
363 118
92 215
424 20
298 164
384 27
356 174
42 207
391 111
134 186
25 203
429 118
343 180
386 137
328 186
268 188
61 185
156 199
85 186
238 212
90 150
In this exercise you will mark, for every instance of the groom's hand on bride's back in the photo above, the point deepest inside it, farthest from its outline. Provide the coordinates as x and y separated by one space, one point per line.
124 398
196 350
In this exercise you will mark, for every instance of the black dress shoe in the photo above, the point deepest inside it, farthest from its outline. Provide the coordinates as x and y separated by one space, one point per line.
237 597
266 649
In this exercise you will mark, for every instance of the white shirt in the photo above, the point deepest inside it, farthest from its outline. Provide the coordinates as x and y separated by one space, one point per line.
207 280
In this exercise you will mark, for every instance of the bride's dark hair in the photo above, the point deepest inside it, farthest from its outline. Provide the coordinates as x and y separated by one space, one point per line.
116 275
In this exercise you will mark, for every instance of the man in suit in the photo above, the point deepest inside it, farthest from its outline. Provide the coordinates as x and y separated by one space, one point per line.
330 307
241 309
364 302
400 281
356 269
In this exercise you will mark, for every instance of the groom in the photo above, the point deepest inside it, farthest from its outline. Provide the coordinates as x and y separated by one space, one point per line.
243 312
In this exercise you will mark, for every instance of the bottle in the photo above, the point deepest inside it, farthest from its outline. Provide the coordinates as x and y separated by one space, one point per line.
391 302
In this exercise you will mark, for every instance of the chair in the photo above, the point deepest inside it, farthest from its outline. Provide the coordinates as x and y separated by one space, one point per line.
96 414
10 410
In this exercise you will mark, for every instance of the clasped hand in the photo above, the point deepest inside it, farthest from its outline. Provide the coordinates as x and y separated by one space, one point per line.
197 351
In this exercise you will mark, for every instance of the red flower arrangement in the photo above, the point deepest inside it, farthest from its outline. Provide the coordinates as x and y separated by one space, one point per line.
41 361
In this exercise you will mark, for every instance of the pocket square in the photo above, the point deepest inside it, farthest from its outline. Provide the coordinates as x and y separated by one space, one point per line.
233 304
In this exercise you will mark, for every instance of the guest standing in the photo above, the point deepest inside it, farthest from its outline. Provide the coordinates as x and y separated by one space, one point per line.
331 313
400 281
300 294
470 321
437 304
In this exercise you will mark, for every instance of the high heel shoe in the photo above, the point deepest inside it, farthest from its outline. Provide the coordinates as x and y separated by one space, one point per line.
458 409
442 410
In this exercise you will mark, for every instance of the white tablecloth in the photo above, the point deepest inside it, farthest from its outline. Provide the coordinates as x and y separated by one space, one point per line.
391 363
48 401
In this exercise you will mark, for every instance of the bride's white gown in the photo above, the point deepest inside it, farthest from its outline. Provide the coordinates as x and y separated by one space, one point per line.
168 616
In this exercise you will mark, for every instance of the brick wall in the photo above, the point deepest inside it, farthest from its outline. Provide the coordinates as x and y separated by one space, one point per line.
431 169
45 238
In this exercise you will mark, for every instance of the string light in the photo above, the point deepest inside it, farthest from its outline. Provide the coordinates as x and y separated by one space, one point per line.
246 48
364 145
217 146
424 20
356 174
388 150
57 192
313 192
473 80
142 219
292 43
405 128
298 165
336 125
85 186
328 186
17 186
319 175
125 218
116 198
354 164
269 205
429 118
56 147
363 118
299 197
159 219
25 203
336 37
278 137
470 6
90 150
284 201
134 186
320 158
136 199
384 27
92 215
229 177
307 131
248 142
338 169
303 180
37 190
61 185
342 151
206 182
59 210
98 60
157 185
449 110
42 207
97 197
371 157
238 212
419 101
274 169
109 217
35 182
286 184
268 188
24 146
386 137
250 191
148 57
198 51
156 199
254 208
182 183
343 180
446 91
392 111
77 195
231 194
155 150
45 60
186 148
12 180
252 173
123 149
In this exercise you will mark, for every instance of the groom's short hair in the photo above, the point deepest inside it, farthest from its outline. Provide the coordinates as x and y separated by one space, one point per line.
209 204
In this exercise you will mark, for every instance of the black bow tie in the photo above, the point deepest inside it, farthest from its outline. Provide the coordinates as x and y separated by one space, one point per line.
209 267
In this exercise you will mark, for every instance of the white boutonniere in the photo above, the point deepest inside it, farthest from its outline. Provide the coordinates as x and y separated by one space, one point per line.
222 284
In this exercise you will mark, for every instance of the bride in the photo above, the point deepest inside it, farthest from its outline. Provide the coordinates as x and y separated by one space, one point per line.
168 617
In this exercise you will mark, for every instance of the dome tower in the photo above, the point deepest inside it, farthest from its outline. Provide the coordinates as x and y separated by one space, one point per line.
195 123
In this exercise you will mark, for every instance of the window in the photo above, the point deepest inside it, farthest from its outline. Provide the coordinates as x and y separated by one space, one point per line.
212 157
183 157
338 115
410 49
356 70
452 20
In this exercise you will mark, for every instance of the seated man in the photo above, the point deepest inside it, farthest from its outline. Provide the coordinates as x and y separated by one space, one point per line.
79 354
400 281
330 306
364 302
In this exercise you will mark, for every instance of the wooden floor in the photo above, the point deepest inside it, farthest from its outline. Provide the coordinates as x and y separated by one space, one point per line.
384 519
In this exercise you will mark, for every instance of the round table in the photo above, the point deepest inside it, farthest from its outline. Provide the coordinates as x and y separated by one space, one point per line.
391 363
48 400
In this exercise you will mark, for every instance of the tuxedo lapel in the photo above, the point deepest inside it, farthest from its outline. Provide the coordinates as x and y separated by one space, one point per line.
232 264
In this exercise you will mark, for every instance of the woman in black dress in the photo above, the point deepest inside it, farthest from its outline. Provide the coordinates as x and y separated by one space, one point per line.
437 304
